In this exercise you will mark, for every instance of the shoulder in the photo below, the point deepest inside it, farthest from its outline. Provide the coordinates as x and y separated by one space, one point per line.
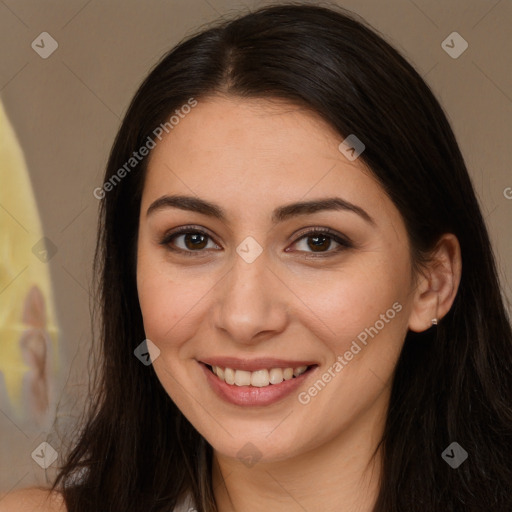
32 500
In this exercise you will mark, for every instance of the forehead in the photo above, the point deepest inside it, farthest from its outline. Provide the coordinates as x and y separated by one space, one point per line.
252 153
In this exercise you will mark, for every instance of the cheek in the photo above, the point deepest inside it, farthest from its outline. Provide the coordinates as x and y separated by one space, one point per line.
358 297
166 298
164 305
366 312
174 302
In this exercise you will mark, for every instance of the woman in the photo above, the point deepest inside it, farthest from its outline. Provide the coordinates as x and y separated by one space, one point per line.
290 236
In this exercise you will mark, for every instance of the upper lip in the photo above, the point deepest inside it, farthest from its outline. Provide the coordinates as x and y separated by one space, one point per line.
251 365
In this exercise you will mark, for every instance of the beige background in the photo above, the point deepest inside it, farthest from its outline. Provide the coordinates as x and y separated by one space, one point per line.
66 110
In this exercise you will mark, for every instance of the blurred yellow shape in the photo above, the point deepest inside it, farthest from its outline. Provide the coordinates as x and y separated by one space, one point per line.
28 332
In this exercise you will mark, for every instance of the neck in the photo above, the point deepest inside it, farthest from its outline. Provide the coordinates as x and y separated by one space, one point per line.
340 475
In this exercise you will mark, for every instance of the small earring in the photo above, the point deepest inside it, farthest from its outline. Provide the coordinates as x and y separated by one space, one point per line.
434 320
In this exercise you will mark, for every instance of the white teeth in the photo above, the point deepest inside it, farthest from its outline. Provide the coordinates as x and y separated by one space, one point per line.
229 376
299 370
242 378
288 373
259 378
276 376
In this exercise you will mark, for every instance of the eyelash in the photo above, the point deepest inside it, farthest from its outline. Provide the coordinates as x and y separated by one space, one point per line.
344 242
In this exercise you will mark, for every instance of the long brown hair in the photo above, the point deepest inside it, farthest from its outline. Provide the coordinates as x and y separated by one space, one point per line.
137 452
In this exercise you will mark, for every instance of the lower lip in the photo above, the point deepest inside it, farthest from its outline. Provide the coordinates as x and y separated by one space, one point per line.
251 395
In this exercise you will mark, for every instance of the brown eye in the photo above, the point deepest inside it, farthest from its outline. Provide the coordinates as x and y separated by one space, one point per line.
321 241
194 241
188 241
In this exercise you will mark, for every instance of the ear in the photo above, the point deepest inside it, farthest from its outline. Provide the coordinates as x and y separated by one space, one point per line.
437 285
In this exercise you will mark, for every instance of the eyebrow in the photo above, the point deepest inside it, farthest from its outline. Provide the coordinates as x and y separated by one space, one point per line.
280 214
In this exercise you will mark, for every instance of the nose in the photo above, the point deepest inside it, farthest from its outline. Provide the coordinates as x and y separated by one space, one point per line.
250 303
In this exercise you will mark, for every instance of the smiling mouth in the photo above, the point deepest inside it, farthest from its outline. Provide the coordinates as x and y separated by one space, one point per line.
259 378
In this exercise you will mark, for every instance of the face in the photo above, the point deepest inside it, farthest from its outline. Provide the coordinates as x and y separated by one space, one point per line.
302 328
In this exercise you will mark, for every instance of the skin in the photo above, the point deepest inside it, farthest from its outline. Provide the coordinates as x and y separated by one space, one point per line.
32 500
249 157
